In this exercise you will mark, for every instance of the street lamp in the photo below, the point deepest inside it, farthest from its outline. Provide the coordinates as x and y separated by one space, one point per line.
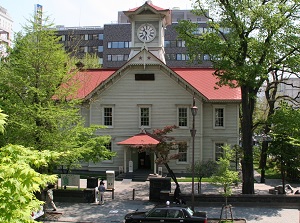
194 110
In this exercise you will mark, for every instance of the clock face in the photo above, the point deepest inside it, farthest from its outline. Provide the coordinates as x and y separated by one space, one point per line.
146 33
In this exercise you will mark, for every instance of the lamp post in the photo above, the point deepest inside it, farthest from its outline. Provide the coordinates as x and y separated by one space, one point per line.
194 110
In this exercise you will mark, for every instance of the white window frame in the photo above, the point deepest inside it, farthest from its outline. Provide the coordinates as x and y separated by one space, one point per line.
112 149
187 154
187 118
140 117
215 148
214 116
103 115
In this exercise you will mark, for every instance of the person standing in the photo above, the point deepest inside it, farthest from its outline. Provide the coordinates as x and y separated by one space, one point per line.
101 192
50 196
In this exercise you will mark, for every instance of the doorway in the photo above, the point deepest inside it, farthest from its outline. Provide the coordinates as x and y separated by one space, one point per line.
144 161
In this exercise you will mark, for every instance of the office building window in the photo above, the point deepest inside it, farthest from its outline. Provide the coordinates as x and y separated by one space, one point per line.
100 49
170 56
219 151
206 57
117 45
92 49
174 43
100 36
81 49
63 38
82 37
182 56
182 116
118 57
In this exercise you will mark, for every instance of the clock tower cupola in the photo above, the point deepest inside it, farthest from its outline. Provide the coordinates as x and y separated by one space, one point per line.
148 23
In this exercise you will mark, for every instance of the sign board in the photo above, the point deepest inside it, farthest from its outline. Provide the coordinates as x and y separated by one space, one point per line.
70 180
130 166
110 178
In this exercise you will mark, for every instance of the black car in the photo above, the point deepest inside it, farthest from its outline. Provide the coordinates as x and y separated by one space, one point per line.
167 213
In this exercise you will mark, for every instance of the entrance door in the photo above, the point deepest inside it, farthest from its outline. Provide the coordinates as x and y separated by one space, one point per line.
144 161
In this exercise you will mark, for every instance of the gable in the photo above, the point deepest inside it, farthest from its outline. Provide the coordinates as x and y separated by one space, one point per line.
200 81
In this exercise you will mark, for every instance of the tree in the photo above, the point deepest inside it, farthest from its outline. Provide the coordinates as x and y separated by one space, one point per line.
89 61
262 127
246 41
19 181
225 176
285 144
163 150
38 88
204 169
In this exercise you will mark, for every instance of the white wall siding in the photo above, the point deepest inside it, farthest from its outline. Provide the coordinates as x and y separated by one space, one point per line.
163 95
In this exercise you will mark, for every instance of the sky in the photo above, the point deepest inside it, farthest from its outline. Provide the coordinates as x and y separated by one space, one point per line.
73 13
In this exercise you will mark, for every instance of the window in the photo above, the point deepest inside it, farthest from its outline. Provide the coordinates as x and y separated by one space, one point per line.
182 56
100 36
167 43
144 77
170 56
180 43
63 38
108 116
219 117
92 49
81 49
182 151
118 57
158 213
144 116
116 45
82 37
219 152
108 146
206 57
182 116
100 48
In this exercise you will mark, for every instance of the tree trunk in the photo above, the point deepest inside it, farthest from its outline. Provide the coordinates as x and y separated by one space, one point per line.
248 103
177 189
282 174
263 160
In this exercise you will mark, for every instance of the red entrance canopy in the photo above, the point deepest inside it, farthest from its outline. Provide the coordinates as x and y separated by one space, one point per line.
140 139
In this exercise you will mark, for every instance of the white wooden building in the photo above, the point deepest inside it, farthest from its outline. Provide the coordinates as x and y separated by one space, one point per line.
145 94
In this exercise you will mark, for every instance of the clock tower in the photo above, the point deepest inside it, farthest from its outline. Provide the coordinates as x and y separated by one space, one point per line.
148 23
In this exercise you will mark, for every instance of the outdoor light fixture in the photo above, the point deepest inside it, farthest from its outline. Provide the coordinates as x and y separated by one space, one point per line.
194 110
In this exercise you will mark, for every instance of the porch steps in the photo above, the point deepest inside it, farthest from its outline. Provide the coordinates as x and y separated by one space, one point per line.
137 176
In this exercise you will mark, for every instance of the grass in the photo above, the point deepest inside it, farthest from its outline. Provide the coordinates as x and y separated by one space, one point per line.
270 173
189 179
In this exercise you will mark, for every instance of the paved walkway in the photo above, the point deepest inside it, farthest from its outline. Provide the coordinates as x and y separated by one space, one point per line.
114 210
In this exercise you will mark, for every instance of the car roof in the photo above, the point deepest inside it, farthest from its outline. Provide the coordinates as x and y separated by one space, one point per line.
171 206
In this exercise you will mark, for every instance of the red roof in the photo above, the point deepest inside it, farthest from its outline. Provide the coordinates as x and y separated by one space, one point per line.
204 81
90 79
143 138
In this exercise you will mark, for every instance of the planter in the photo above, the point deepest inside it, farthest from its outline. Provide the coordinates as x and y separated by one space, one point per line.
74 196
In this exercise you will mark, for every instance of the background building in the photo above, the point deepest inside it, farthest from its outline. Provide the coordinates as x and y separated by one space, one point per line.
6 32
112 42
